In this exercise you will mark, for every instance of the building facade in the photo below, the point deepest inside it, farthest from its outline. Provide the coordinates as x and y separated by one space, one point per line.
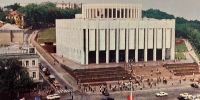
10 33
27 55
106 33
64 5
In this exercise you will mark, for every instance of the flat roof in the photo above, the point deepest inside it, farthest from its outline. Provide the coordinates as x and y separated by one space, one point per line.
19 56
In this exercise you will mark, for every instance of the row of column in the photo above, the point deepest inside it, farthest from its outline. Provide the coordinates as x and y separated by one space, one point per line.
127 46
119 12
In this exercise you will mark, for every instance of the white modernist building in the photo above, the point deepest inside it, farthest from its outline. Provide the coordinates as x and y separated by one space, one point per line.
106 33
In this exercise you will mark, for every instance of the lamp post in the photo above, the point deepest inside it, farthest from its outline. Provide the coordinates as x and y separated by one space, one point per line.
131 96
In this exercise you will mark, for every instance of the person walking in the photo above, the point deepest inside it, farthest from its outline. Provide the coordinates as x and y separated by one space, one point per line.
172 83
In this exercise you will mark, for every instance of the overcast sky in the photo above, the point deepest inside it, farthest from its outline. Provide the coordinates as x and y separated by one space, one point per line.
189 9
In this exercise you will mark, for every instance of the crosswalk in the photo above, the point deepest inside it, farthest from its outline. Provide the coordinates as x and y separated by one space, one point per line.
65 91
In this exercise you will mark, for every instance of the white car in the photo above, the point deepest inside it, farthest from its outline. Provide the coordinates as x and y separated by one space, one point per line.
185 95
56 96
160 94
50 97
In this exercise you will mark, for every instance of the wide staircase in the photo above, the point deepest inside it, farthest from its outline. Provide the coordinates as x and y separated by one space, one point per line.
101 74
183 69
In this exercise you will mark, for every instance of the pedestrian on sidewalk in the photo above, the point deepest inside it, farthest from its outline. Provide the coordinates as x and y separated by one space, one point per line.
172 83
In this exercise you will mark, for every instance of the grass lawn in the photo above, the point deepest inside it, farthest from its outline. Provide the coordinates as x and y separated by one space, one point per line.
181 48
181 55
47 35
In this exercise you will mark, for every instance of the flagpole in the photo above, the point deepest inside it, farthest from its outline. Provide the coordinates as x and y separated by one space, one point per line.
131 92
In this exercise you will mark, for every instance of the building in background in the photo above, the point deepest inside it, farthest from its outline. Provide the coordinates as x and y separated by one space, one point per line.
11 34
106 33
16 17
64 5
26 54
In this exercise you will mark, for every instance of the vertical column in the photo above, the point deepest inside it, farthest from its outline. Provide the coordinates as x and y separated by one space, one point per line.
117 44
154 43
112 9
128 14
116 12
107 45
145 44
97 43
87 46
96 12
103 12
136 10
120 12
107 12
99 11
82 47
124 12
92 13
89 12
131 12
163 45
172 43
136 44
127 44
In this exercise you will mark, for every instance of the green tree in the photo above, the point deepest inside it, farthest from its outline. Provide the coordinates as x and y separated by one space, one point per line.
13 76
13 7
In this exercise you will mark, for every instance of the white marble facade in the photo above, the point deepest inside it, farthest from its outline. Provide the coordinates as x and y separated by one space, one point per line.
125 31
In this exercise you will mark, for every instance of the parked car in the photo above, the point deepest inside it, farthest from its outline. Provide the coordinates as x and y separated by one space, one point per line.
160 94
194 85
183 98
47 73
51 78
41 66
186 95
50 97
108 98
37 98
56 96
105 93
56 83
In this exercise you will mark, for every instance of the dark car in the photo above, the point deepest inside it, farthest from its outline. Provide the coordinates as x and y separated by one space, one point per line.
182 98
105 93
47 73
194 85
108 98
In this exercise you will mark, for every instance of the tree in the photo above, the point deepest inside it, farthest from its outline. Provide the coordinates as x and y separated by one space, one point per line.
13 7
13 76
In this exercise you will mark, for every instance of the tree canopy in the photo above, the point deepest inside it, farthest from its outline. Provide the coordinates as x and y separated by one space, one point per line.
13 76
46 14
13 7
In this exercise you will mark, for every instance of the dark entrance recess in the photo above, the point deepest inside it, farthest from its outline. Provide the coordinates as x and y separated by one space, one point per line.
92 57
102 56
159 54
112 56
150 54
140 54
131 55
121 55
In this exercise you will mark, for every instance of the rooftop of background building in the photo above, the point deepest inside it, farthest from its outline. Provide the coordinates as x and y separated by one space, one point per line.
17 50
8 26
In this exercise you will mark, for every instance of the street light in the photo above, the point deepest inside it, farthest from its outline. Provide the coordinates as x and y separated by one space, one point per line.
131 96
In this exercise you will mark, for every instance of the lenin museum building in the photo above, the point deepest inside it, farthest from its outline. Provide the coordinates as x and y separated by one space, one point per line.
113 33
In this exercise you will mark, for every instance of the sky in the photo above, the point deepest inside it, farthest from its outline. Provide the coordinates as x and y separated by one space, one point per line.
189 9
